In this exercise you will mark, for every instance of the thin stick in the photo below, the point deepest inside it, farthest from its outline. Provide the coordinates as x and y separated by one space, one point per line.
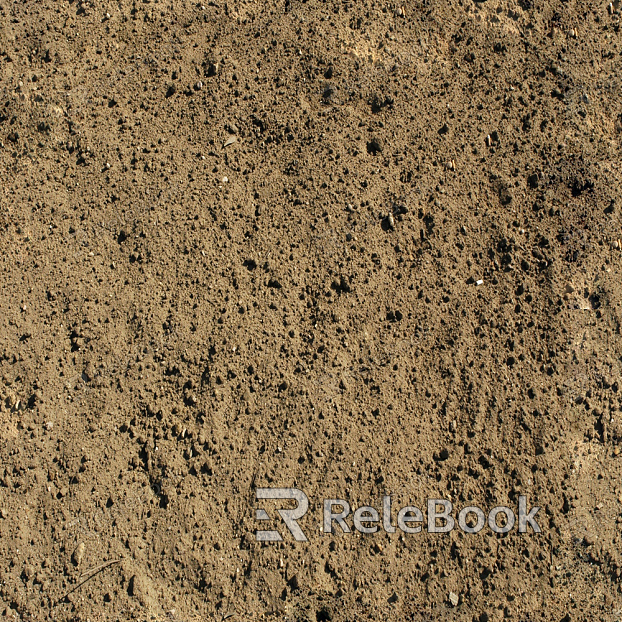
96 569
95 572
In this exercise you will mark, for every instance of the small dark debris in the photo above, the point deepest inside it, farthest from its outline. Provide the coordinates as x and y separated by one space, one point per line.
324 614
341 285
328 92
581 185
377 103
374 146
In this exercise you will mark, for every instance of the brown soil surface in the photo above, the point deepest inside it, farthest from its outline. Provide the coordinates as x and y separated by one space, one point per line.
350 247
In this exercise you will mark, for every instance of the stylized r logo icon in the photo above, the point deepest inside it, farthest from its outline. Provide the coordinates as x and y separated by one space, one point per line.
289 516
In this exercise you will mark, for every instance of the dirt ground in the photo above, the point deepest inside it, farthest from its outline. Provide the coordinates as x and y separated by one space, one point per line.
354 248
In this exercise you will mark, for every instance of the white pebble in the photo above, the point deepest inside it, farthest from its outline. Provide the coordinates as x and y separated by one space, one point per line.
479 282
78 554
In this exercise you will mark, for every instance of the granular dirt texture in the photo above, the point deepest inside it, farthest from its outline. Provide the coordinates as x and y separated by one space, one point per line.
353 248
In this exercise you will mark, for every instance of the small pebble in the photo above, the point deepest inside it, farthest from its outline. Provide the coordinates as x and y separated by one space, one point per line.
89 372
78 554
391 221
453 599
479 282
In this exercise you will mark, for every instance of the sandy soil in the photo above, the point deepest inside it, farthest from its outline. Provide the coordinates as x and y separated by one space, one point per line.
354 248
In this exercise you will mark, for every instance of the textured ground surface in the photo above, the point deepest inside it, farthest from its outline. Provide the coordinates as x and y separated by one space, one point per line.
184 321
